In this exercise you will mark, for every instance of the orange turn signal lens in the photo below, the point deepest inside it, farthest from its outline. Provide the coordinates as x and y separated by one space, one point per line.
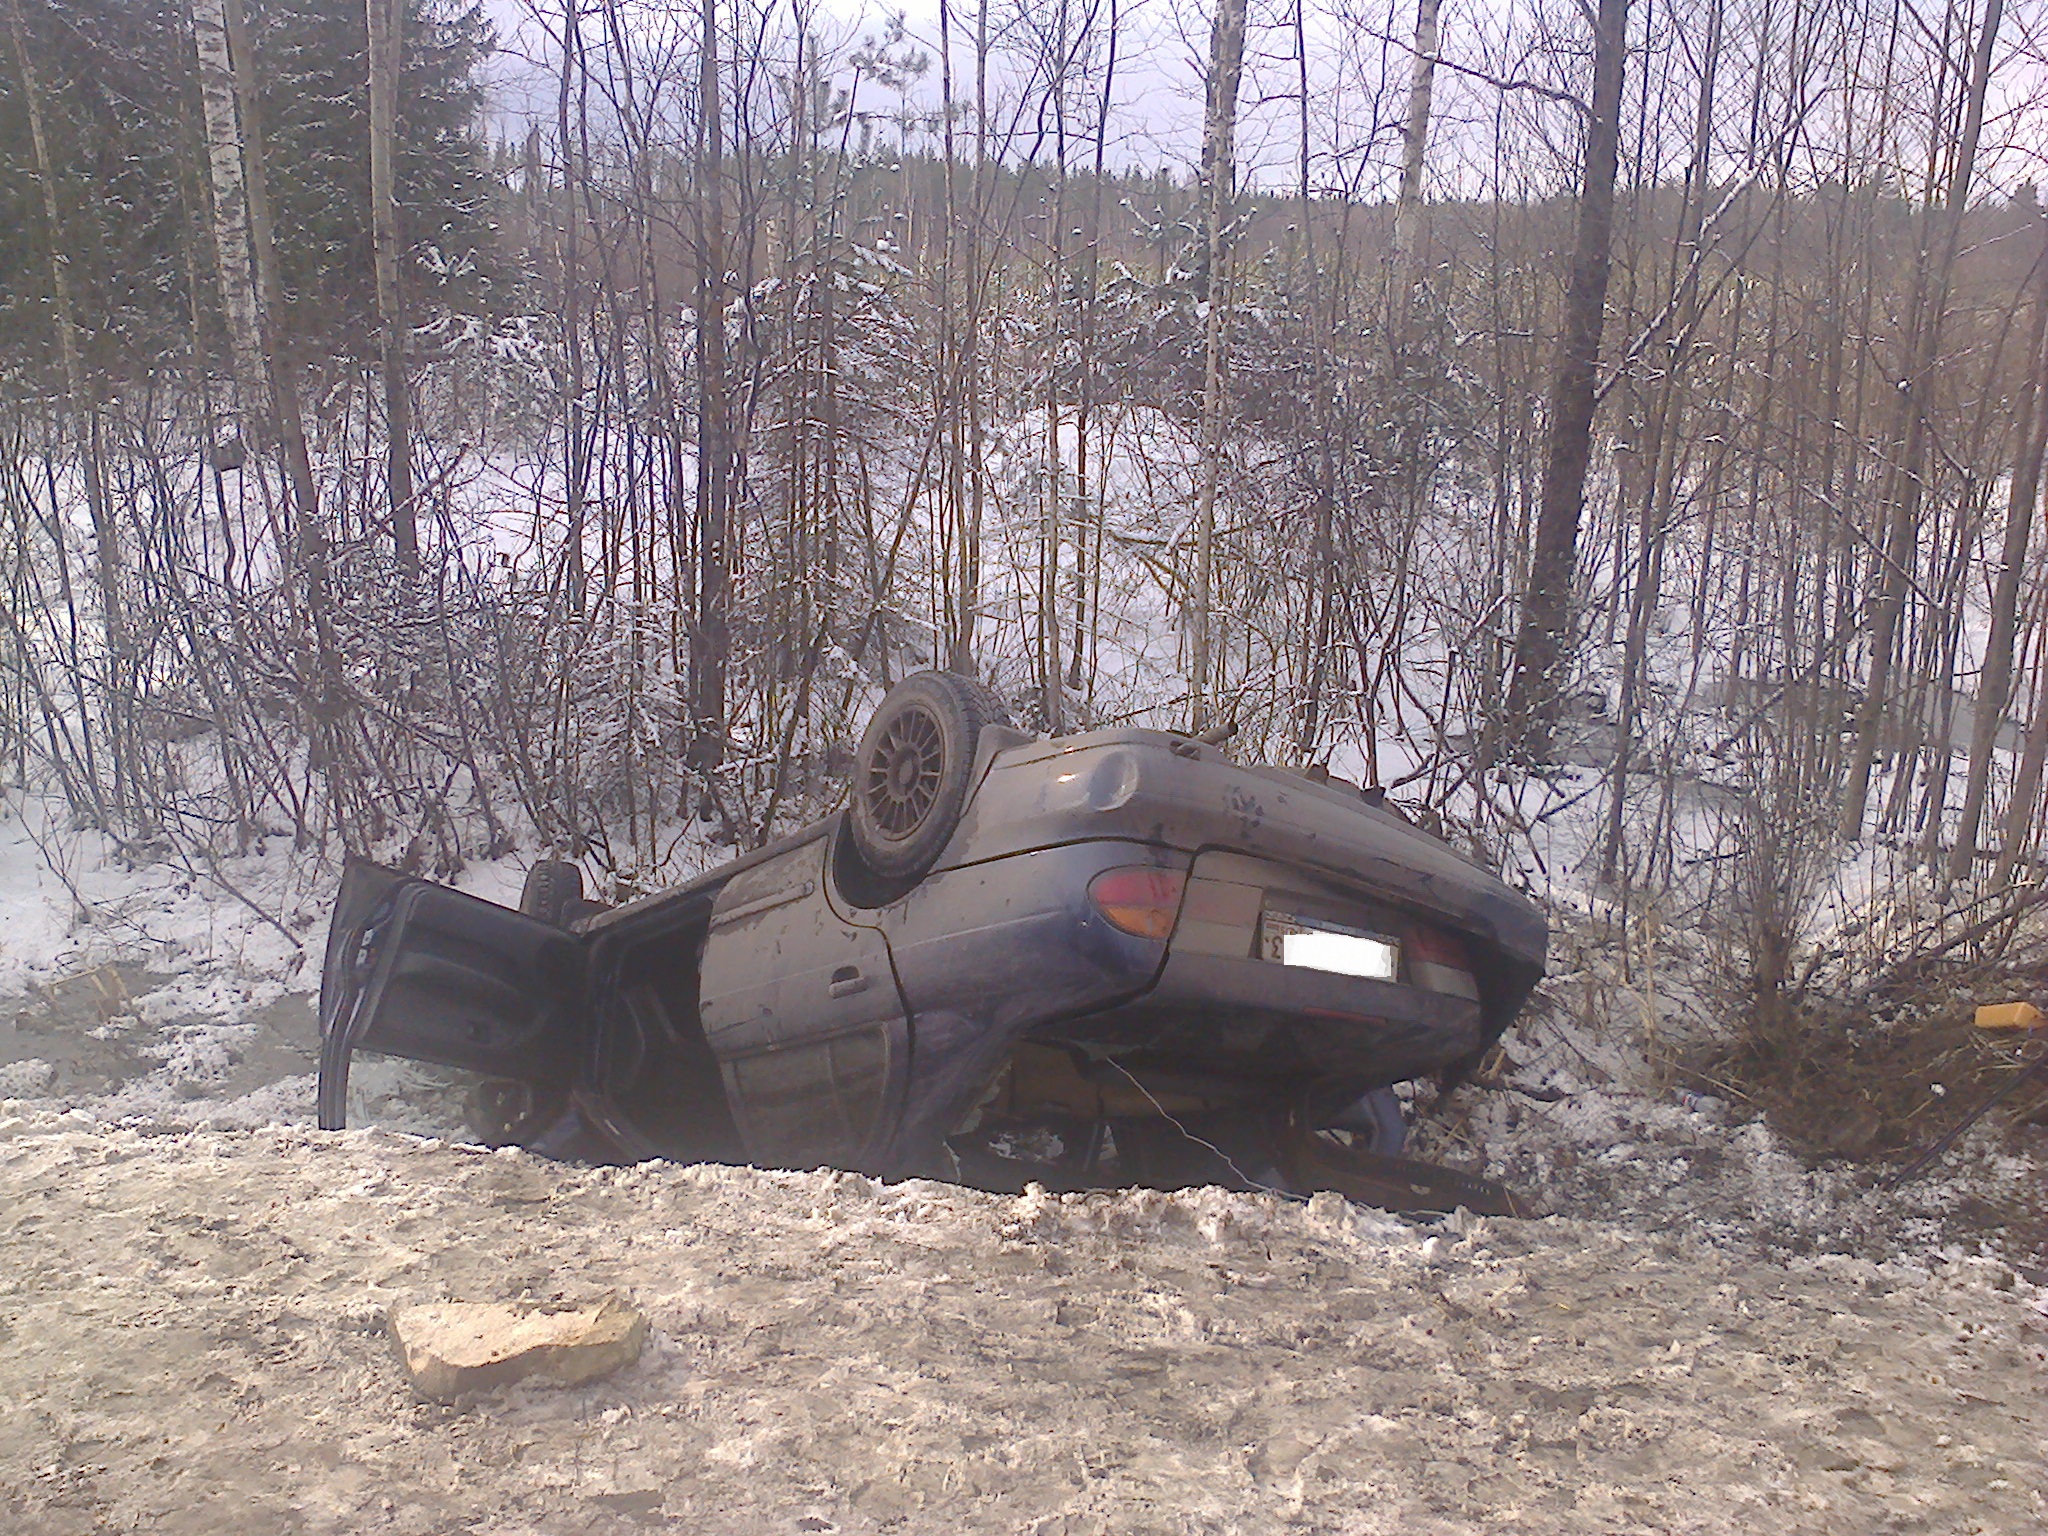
1141 900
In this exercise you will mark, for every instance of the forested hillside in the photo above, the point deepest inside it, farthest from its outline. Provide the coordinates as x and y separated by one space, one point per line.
1627 416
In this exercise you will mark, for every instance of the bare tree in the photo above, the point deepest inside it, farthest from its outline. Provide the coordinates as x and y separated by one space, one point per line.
81 397
1218 185
1933 272
1543 642
1414 148
385 21
230 206
710 636
1994 691
232 96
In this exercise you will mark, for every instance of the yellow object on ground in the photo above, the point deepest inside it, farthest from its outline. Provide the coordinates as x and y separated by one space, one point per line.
2010 1016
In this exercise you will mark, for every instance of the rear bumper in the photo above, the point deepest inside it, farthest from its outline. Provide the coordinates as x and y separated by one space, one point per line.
1012 948
1266 1020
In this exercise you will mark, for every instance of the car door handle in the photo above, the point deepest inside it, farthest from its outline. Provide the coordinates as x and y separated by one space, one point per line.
846 981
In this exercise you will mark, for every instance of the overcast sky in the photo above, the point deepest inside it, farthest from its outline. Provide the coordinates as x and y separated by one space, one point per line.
1158 88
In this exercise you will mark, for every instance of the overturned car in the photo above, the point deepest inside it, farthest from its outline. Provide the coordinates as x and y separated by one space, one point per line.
1117 957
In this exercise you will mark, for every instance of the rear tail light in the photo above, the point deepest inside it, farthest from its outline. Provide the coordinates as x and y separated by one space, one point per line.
1140 900
1440 962
1437 947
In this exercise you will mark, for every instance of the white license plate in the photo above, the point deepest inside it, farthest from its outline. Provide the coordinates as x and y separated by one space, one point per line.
1315 946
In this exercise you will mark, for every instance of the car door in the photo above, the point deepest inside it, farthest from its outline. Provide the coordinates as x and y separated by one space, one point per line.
418 970
802 1010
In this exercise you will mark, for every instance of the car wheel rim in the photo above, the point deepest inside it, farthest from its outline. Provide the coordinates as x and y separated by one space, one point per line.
904 774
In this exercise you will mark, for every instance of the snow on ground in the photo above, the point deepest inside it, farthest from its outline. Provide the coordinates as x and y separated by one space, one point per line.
1701 1333
194 1326
70 901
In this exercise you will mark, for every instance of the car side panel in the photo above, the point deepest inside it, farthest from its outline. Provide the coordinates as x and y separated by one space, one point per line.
802 1010
992 952
989 952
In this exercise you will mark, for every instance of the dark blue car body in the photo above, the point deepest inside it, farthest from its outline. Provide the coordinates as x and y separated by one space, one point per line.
788 1009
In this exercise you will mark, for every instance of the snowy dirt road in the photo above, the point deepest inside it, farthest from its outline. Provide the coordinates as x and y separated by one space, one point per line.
191 1340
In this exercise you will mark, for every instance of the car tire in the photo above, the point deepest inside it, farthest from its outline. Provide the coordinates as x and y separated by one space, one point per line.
553 892
913 771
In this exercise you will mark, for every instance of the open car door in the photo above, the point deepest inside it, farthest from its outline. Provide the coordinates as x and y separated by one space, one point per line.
414 969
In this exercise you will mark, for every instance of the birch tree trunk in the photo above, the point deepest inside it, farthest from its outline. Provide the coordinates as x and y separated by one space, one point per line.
953 380
971 361
1051 698
1311 666
1219 132
230 215
1088 494
1408 204
569 270
243 235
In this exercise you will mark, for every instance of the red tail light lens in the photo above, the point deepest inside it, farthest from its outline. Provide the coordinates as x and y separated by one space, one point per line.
1140 900
1440 962
1435 947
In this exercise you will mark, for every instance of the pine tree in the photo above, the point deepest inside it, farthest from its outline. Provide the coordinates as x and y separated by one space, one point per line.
122 124
110 74
313 61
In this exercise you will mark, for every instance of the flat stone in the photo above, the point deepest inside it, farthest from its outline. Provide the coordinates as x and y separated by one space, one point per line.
456 1349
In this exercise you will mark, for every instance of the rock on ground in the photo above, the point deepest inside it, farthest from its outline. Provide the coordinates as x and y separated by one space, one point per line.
457 1349
192 1340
